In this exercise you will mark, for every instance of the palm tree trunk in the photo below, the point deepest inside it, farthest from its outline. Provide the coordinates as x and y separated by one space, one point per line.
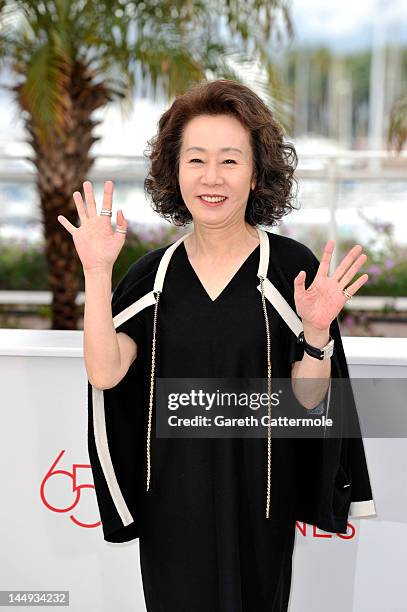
62 160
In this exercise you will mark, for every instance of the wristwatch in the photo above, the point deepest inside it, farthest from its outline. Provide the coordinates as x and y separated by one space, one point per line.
325 353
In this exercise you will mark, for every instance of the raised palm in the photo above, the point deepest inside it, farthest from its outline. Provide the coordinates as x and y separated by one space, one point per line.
96 243
320 304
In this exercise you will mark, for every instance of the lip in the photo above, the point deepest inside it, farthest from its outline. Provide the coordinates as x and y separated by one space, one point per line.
212 204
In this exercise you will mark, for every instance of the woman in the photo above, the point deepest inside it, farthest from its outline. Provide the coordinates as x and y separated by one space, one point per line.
216 529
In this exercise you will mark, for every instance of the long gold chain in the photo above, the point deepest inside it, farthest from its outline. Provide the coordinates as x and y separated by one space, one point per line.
269 401
150 412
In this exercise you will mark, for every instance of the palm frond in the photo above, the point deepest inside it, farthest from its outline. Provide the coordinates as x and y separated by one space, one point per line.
165 45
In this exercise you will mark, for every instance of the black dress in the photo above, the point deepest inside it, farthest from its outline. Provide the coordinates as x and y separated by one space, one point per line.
205 542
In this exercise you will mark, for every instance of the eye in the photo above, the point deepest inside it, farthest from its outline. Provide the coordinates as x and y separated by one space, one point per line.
198 160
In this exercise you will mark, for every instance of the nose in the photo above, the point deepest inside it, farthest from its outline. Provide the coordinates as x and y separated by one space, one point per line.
211 173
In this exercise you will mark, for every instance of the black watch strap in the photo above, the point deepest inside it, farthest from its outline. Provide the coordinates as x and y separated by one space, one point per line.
324 353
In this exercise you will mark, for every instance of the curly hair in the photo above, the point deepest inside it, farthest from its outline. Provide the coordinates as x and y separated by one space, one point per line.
274 160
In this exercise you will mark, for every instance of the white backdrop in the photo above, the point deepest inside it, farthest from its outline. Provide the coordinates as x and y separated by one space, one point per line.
50 536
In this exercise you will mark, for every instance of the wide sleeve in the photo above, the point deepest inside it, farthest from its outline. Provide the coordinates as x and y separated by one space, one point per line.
296 351
134 327
352 487
117 416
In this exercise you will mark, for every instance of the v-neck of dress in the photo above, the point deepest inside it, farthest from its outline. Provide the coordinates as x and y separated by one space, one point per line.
228 284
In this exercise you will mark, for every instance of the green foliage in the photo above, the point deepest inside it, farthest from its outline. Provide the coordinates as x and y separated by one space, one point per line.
23 266
386 262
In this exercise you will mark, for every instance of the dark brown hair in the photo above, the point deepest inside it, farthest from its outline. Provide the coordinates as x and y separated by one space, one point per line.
274 161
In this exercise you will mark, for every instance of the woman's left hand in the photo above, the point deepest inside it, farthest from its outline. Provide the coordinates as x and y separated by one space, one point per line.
320 304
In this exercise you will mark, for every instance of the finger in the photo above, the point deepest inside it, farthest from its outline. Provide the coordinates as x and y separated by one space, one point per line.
107 196
80 206
67 224
121 223
299 283
346 262
323 268
348 276
357 284
90 199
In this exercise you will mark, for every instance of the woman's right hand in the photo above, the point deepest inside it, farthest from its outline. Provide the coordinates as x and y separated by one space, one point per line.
96 243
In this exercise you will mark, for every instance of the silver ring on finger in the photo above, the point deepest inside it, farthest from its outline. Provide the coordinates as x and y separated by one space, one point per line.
121 231
105 212
347 294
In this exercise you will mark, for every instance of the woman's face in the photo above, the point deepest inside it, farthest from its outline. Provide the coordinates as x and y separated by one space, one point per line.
206 169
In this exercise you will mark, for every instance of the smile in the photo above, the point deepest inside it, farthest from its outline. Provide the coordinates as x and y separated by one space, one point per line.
212 201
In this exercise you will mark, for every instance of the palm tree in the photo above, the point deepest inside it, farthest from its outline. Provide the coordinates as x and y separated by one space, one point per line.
71 57
397 132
